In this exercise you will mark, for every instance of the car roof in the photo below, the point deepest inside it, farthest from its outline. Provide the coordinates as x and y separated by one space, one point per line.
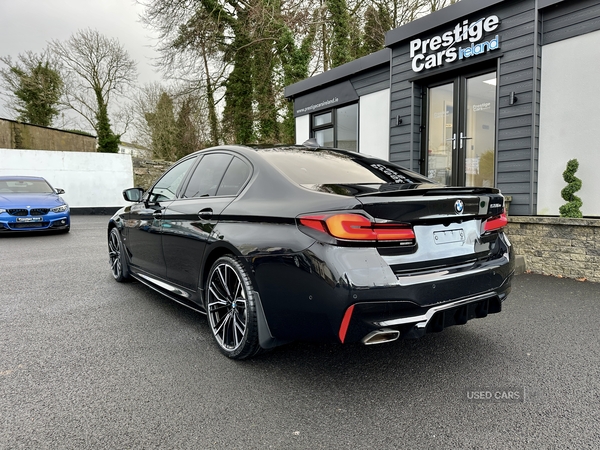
19 177
245 149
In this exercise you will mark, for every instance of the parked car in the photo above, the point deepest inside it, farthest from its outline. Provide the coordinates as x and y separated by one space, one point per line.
32 204
306 243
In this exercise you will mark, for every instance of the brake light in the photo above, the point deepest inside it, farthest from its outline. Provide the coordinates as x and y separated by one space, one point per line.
356 227
495 223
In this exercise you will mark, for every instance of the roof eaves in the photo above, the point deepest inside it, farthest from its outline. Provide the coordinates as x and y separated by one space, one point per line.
338 73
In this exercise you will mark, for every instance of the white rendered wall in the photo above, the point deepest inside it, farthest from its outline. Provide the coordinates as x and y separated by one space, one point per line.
89 179
302 128
374 124
570 121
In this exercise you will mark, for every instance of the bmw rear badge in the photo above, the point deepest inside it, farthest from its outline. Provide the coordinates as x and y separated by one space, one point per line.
459 206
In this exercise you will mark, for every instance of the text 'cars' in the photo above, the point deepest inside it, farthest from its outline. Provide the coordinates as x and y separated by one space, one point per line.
306 243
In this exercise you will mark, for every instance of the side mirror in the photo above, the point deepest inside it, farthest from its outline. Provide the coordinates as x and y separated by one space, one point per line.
60 191
133 194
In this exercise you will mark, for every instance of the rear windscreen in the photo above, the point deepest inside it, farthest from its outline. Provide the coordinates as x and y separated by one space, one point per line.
316 167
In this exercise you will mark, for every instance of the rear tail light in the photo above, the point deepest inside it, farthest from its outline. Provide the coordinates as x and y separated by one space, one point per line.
356 227
495 223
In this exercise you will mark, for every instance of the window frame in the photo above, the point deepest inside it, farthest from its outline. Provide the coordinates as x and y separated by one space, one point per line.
244 183
149 194
333 124
193 170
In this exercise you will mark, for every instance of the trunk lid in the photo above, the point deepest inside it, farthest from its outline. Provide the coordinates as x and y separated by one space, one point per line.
447 222
433 205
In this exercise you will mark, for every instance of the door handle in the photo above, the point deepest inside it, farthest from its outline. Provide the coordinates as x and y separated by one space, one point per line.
205 213
453 141
157 214
463 138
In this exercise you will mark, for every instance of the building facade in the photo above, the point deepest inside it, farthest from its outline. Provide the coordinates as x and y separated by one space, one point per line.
490 93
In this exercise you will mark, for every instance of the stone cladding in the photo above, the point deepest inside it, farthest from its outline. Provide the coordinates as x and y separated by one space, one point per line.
557 246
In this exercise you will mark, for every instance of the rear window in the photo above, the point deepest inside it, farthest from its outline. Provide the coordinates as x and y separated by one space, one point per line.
317 167
25 187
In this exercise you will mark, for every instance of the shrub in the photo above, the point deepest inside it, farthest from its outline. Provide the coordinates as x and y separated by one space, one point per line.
573 205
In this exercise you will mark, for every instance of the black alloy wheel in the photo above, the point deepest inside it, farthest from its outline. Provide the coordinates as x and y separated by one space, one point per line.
231 309
116 257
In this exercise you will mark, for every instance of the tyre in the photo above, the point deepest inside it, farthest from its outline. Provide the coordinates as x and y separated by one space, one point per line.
231 309
116 256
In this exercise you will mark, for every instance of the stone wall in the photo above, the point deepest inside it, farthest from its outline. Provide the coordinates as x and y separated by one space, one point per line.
558 246
24 136
146 171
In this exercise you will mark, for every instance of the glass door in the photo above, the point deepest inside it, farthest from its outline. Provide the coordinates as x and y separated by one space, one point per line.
461 131
441 140
479 136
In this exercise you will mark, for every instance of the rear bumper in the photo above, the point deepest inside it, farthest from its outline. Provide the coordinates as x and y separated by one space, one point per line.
332 294
415 322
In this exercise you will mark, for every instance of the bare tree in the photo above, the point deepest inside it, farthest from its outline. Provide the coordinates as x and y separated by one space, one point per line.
170 120
435 5
94 68
144 102
191 47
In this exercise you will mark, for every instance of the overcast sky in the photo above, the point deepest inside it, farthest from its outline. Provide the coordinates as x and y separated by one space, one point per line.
30 24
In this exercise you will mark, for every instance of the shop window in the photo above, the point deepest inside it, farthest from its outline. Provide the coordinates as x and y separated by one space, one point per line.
337 128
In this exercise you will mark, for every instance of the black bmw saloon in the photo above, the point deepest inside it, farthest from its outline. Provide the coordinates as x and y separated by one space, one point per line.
308 243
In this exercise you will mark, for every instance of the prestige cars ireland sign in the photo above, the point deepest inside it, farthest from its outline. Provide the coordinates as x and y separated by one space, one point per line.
468 37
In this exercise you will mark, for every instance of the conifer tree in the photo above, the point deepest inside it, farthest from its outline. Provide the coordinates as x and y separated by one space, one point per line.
34 87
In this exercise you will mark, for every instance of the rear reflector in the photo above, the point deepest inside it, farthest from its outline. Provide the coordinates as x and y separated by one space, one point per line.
357 227
345 323
495 223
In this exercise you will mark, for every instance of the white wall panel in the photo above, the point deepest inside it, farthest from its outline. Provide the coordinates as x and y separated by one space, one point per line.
570 121
302 128
89 179
374 124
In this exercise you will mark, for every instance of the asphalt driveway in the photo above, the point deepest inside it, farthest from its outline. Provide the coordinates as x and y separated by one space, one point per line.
86 362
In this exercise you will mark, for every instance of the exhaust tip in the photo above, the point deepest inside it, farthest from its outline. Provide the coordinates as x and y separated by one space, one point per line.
381 336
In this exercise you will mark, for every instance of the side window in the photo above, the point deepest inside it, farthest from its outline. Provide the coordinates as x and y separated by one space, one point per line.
208 175
166 188
236 176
